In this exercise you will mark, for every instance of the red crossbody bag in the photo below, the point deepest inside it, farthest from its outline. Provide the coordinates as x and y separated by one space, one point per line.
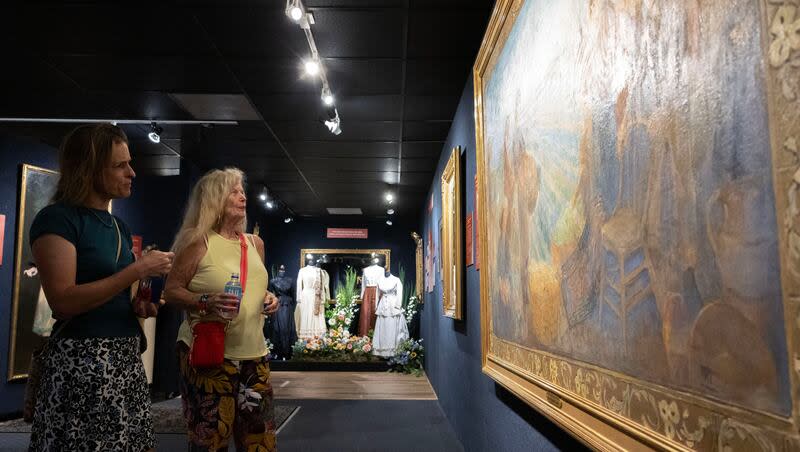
208 345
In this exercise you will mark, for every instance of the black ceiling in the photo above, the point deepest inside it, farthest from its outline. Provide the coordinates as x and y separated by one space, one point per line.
396 68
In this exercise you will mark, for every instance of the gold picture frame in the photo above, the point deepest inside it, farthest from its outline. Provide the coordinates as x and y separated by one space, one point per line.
418 266
452 252
333 251
37 186
608 406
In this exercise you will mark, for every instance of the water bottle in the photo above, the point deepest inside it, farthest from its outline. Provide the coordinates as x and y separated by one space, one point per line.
233 287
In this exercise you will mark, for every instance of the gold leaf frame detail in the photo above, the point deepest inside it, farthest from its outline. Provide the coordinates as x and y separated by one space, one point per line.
452 252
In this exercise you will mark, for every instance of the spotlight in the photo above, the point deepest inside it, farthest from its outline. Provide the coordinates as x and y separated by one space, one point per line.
332 123
270 205
287 220
327 97
262 196
155 133
389 222
312 67
389 197
390 211
296 13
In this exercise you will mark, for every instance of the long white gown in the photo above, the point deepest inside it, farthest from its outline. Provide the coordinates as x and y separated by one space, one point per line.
309 294
390 328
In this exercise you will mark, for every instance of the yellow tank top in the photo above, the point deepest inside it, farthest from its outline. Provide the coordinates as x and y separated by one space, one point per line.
244 338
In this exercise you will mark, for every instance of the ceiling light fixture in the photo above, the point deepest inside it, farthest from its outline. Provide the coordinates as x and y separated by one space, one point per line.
287 220
327 96
155 133
389 222
333 123
262 196
270 205
312 67
390 211
389 197
296 13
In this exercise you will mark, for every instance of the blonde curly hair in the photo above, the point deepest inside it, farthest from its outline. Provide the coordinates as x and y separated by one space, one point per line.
207 206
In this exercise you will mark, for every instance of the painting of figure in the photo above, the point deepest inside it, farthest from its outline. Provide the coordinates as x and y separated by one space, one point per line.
630 213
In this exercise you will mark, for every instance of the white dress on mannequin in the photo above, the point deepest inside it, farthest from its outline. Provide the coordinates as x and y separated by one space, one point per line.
310 312
390 328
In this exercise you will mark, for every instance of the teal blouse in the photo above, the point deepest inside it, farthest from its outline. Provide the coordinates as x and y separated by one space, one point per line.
96 241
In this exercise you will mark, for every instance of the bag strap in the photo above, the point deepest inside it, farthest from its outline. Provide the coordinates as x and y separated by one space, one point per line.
243 262
119 238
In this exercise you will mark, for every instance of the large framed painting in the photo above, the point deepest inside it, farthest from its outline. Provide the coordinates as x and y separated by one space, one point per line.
639 218
450 238
28 304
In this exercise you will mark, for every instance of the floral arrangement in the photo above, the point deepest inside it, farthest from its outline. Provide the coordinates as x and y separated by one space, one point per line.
335 345
411 309
411 302
269 345
408 357
340 315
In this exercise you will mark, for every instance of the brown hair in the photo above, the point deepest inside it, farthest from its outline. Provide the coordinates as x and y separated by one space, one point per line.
84 153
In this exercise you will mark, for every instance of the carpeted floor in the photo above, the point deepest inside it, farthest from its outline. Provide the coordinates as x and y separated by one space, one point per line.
167 418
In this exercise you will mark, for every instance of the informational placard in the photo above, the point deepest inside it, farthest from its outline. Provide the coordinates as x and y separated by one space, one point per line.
347 233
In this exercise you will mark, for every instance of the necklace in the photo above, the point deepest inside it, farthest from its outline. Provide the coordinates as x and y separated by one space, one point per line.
110 224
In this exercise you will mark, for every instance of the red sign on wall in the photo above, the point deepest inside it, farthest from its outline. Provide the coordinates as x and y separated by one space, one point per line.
347 233
137 246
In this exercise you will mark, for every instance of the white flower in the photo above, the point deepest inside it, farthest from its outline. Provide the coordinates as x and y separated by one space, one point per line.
332 321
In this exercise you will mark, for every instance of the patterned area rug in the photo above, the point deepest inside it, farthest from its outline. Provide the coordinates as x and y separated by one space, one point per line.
167 418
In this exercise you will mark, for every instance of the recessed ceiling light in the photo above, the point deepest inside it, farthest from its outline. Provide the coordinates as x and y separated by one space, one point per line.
327 99
312 67
389 196
389 222
287 220
263 196
390 211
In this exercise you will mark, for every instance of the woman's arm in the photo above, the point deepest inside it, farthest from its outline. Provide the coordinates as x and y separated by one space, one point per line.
56 259
175 290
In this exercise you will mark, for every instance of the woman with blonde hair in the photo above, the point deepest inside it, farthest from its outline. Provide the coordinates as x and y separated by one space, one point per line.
233 398
93 391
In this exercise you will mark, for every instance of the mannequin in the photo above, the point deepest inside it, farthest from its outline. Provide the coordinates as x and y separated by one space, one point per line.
309 318
326 284
390 328
369 297
283 333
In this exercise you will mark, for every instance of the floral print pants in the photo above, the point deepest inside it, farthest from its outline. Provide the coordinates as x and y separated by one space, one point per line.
234 399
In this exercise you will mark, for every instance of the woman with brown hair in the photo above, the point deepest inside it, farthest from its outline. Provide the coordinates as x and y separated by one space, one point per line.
93 393
233 396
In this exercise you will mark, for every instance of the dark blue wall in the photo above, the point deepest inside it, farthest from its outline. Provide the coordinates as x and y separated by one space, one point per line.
484 415
13 153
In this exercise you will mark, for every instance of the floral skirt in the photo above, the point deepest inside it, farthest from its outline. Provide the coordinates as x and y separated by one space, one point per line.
234 399
93 396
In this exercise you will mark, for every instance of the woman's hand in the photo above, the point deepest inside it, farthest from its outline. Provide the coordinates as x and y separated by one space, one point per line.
271 304
144 308
154 263
221 303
